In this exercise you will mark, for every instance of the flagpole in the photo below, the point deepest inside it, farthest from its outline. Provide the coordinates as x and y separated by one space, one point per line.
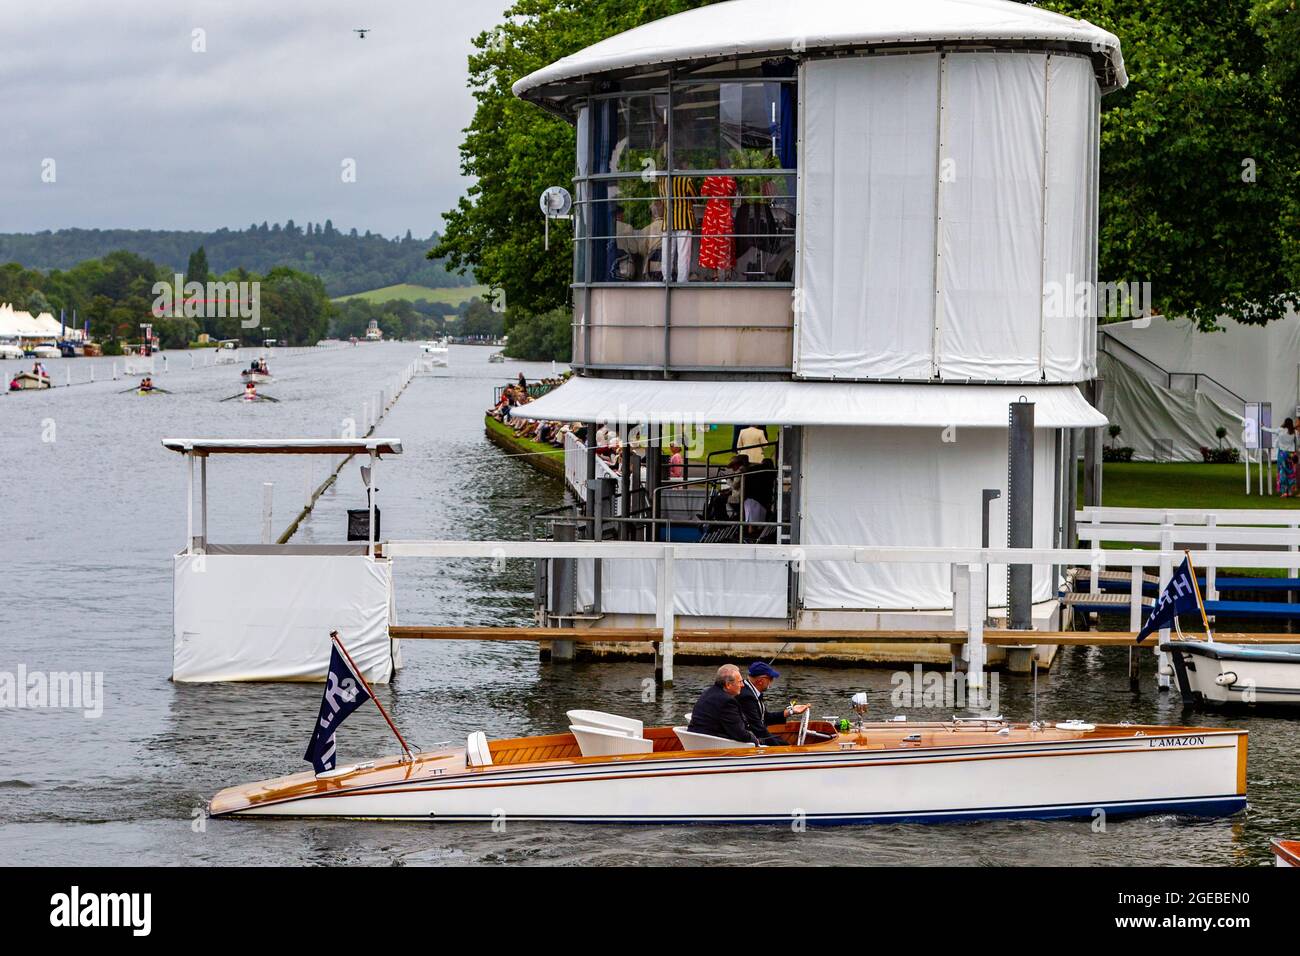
334 636
1199 603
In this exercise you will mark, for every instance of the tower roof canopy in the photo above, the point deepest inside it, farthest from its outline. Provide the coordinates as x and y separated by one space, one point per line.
747 28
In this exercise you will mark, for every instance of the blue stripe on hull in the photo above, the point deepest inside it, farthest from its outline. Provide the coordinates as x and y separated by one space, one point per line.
1196 806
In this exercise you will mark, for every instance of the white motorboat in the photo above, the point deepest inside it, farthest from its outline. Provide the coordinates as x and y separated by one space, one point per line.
46 352
10 351
608 769
497 357
1220 673
257 377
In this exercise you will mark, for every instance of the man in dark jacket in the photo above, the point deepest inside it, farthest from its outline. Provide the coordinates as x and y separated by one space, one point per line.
750 698
717 712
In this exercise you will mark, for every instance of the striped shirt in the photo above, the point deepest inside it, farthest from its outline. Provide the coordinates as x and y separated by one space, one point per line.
683 206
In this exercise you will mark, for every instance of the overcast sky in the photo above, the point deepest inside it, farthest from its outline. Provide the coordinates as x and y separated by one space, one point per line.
146 133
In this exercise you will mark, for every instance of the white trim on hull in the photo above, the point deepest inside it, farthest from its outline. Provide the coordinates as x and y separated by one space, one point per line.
1197 773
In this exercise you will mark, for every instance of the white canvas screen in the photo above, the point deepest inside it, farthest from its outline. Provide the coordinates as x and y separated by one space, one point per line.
991 210
940 198
867 217
907 487
257 617
1069 241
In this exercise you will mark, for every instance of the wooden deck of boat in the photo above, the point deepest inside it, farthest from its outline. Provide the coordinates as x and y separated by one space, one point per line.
559 750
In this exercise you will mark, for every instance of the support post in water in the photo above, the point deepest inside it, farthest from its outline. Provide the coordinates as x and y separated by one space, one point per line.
268 491
665 618
562 580
1020 513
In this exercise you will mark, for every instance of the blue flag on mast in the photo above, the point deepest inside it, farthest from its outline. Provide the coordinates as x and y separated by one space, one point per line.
344 693
1178 596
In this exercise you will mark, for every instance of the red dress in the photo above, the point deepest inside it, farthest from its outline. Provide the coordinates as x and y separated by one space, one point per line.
718 242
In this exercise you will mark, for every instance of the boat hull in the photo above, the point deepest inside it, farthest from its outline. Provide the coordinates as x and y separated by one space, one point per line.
1237 674
27 382
1201 773
257 378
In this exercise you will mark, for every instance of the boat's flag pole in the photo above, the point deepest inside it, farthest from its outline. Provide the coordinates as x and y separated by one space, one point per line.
406 751
1205 619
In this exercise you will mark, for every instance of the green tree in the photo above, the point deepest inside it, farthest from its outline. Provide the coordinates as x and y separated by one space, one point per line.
197 268
515 150
1200 163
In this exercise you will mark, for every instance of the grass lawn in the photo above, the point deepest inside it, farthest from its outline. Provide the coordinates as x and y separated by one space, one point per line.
717 438
454 295
1181 485
1184 486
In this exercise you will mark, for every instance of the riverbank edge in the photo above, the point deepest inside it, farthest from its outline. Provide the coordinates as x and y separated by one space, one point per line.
547 459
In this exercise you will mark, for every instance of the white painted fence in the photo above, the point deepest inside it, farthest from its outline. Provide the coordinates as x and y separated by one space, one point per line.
972 562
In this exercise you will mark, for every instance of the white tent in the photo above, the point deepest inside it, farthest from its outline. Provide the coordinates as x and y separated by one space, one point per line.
23 325
1168 382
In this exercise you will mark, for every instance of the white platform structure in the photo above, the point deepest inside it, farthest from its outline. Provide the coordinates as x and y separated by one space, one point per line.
263 612
925 180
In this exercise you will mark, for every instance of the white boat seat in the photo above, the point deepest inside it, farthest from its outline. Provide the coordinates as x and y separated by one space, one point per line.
477 753
598 742
692 741
601 721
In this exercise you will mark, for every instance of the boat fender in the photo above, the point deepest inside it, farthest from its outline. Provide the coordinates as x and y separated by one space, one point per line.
1226 679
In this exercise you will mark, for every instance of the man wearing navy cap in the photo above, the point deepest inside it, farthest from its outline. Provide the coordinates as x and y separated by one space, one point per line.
757 720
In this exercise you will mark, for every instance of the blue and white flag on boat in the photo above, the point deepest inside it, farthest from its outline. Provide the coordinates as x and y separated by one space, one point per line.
1178 597
344 693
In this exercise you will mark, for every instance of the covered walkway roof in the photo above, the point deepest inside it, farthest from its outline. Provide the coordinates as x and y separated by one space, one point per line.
808 403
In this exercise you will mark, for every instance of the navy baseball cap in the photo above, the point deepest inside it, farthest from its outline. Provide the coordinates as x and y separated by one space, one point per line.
760 669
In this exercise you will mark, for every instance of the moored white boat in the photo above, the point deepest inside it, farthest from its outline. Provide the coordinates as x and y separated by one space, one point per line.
10 351
46 352
1239 673
880 773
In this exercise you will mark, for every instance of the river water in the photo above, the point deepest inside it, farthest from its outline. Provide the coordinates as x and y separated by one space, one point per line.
93 509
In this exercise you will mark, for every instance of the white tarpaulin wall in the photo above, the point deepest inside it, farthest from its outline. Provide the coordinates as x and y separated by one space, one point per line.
268 617
1260 363
907 487
700 588
1151 414
942 198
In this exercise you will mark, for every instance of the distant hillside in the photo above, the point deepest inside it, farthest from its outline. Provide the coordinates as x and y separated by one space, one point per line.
346 261
455 296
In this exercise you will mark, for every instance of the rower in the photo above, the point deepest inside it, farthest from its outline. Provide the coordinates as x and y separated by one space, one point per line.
750 698
250 390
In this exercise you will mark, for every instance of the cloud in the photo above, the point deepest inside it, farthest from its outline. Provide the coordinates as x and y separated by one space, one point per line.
147 133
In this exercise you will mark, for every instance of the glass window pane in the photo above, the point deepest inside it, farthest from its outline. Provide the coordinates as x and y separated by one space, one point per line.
629 134
734 126
626 230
